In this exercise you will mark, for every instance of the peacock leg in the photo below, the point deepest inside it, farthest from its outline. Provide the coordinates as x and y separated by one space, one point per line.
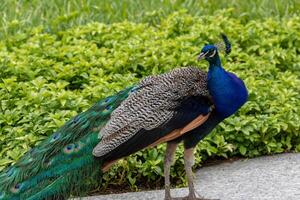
169 157
189 161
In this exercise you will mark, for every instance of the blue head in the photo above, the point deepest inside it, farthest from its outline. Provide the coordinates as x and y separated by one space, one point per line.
211 52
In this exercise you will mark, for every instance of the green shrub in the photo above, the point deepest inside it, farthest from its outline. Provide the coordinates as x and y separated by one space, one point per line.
48 78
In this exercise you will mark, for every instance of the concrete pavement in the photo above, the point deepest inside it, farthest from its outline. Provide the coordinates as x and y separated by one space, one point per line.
274 177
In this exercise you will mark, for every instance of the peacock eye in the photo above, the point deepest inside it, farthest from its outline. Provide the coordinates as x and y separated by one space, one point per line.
69 148
15 189
108 100
55 136
108 107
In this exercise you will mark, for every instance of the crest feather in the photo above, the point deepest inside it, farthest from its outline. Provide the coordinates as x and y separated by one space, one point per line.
224 45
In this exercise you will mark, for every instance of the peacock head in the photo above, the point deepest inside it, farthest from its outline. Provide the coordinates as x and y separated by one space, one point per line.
210 52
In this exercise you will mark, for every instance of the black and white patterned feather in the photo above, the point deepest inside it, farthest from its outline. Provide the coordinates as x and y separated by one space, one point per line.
151 105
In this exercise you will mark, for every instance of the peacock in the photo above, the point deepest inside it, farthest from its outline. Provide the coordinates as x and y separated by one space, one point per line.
183 105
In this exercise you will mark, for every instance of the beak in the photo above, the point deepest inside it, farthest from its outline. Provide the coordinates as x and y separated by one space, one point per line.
202 55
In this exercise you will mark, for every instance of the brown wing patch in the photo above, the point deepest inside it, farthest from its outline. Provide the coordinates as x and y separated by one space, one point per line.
171 136
195 123
106 166
179 132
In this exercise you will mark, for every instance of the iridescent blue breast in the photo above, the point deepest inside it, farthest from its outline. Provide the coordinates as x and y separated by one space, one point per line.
229 92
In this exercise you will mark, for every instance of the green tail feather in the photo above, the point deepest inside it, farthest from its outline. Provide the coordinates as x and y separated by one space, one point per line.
59 166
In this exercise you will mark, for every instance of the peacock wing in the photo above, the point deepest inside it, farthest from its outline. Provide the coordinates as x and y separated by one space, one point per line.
191 113
158 104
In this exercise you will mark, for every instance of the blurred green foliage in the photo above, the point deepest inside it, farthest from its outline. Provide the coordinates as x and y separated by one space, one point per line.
46 78
21 15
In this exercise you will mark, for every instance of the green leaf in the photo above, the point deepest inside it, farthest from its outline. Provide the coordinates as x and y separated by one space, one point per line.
242 149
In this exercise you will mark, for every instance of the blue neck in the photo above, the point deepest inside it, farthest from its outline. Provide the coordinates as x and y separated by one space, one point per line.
215 62
227 90
214 66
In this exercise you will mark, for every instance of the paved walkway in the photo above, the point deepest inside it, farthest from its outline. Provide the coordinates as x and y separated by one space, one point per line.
271 177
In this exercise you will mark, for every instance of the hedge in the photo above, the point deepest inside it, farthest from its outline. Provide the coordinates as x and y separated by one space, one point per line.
46 78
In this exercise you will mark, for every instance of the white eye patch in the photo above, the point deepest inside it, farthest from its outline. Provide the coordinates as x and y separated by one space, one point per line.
214 53
205 53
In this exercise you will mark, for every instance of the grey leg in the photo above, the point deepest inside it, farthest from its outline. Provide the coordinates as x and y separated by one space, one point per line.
169 157
189 161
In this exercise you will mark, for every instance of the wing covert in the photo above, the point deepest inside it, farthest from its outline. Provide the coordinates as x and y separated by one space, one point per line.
152 105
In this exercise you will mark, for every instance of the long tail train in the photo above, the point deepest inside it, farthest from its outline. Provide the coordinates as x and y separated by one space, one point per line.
59 166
